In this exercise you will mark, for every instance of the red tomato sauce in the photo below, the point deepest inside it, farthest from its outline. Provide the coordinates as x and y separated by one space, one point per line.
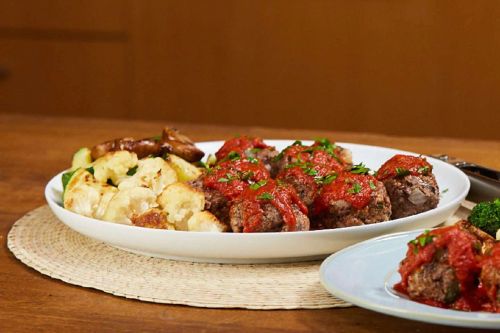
323 160
463 256
401 165
281 196
353 188
240 145
231 178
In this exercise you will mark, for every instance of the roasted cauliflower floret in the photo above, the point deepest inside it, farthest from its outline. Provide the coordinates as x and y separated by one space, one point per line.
114 166
185 170
84 196
205 221
180 201
128 203
153 173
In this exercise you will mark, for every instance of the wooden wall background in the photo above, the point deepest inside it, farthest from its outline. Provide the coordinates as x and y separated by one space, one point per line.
409 67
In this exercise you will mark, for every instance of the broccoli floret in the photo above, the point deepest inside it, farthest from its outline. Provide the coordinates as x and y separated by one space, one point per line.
486 216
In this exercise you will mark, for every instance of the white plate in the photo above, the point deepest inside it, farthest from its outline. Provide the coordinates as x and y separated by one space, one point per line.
264 247
364 274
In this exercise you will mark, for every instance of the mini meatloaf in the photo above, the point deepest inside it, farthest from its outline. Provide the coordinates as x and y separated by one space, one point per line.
226 181
452 267
350 200
307 168
247 147
268 206
410 184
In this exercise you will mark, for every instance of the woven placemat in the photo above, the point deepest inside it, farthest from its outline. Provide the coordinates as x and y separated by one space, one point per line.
44 243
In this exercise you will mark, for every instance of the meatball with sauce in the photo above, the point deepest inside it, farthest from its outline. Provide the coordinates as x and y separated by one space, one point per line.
441 268
307 168
268 206
247 147
490 277
226 181
410 184
350 200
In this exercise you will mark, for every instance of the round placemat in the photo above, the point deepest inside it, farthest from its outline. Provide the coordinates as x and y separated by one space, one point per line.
44 243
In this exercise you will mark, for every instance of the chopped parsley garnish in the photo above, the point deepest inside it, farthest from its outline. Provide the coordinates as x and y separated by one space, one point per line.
424 169
265 196
91 170
360 169
252 160
130 171
246 175
297 143
223 180
278 157
233 156
255 150
355 189
326 179
423 240
372 185
401 172
156 138
259 184
310 171
445 190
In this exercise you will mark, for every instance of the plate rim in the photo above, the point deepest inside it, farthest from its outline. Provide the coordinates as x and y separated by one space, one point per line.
449 317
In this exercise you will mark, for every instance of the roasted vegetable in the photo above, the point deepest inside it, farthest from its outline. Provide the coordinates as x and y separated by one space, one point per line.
84 196
81 159
114 166
205 221
185 170
486 216
153 173
128 203
180 201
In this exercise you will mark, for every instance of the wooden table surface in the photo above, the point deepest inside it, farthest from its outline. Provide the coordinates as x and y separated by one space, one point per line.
34 148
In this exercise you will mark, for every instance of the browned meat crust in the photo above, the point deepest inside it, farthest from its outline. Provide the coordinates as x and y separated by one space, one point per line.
411 194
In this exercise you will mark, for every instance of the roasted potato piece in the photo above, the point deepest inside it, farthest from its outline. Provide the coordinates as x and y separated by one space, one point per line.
153 173
128 203
114 166
185 170
180 201
205 221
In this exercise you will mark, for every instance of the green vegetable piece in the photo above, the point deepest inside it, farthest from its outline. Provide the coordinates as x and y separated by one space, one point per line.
81 159
91 170
486 216
66 178
372 185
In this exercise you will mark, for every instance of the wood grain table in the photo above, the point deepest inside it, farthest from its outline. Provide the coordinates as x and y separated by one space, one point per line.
33 149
